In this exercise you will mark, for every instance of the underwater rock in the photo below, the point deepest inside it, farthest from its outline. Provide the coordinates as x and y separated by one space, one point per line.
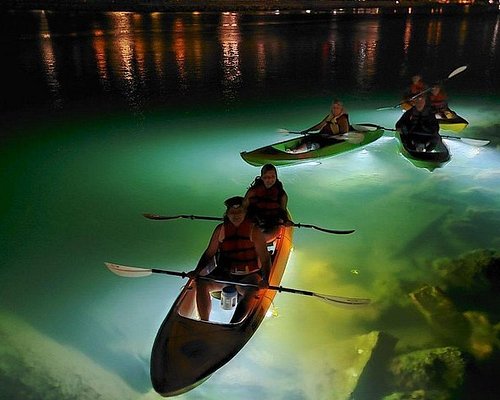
476 271
354 368
441 369
419 395
485 338
374 351
442 315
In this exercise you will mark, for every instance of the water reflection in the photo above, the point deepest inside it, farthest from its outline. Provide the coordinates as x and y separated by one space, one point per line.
144 59
434 32
366 45
49 62
99 44
229 37
125 58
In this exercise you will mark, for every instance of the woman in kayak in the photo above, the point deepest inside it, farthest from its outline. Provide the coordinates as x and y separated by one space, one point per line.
335 123
439 102
241 256
418 127
266 200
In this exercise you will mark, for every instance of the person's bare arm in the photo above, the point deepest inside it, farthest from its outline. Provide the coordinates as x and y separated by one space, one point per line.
209 252
261 249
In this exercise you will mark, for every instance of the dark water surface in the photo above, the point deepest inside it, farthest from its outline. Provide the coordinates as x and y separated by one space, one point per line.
106 116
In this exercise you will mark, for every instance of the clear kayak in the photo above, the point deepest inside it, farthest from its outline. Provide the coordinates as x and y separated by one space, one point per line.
187 350
281 153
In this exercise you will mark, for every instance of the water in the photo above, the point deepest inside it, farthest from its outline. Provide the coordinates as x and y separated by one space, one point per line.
108 116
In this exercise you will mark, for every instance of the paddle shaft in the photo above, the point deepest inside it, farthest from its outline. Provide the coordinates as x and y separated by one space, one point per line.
472 142
136 272
208 218
453 73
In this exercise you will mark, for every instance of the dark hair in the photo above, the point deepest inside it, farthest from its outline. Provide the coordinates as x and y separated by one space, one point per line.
234 201
258 179
268 167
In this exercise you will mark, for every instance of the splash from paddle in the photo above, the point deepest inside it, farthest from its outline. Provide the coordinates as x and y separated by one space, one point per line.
138 272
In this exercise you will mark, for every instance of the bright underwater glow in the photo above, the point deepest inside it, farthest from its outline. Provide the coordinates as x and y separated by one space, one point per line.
75 188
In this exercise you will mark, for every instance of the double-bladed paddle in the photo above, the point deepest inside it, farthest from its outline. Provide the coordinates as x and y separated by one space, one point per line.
469 141
137 272
201 217
351 137
453 73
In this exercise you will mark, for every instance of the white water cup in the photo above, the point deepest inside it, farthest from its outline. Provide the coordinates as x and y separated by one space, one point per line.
229 297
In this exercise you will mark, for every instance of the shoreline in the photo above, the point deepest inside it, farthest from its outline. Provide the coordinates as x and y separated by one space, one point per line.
285 6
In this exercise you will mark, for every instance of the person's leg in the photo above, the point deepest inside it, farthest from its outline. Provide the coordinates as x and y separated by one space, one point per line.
203 299
247 294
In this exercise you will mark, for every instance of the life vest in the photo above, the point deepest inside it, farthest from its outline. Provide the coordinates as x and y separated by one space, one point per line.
266 203
331 124
418 87
237 253
421 122
439 100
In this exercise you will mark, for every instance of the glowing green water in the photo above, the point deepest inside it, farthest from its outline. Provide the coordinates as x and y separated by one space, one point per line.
73 197
174 99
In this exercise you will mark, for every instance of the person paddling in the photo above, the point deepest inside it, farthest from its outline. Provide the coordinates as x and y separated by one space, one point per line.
439 102
238 249
335 123
418 127
266 201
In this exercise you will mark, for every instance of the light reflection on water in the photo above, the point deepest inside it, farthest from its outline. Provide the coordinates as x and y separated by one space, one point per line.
75 191
152 59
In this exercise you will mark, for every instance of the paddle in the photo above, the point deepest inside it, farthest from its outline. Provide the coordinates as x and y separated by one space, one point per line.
469 141
453 73
137 272
288 132
351 137
297 225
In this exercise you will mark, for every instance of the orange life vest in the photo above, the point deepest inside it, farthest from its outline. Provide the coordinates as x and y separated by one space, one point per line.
266 202
418 87
439 101
237 251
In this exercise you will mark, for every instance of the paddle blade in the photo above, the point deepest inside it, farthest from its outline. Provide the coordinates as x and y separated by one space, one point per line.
459 70
281 130
469 141
353 137
476 142
364 127
128 272
343 301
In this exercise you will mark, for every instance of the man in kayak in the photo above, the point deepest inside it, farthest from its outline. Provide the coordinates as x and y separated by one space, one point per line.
417 86
418 127
325 131
241 255
266 201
